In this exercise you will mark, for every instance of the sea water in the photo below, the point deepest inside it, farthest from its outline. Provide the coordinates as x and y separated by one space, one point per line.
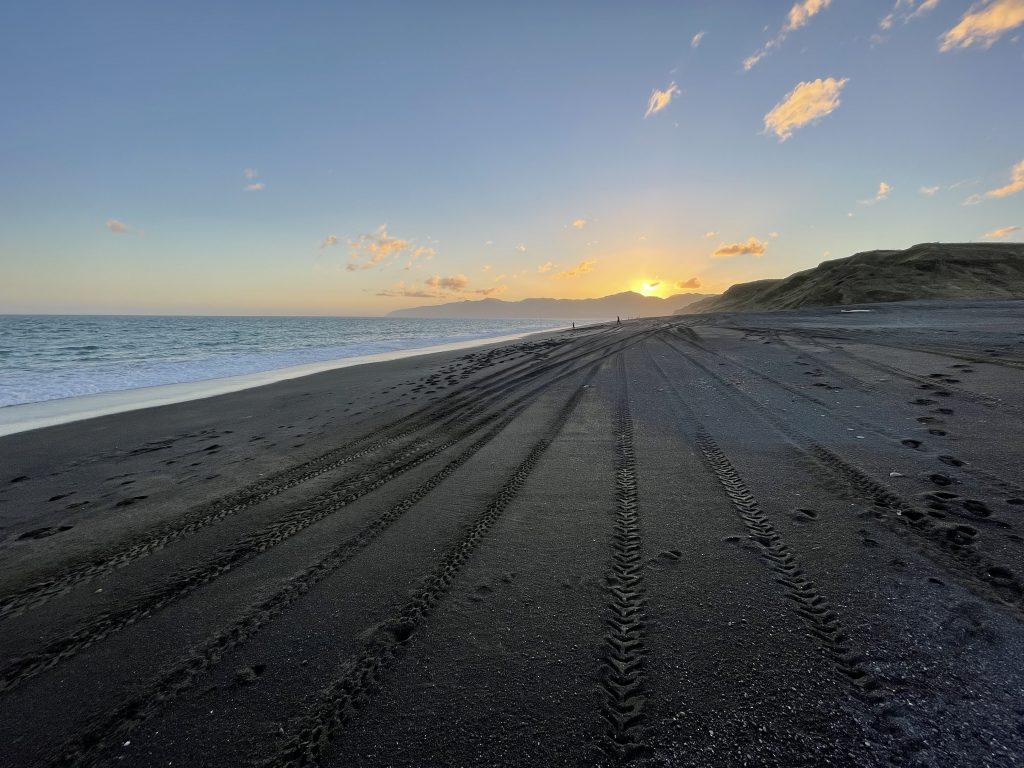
50 357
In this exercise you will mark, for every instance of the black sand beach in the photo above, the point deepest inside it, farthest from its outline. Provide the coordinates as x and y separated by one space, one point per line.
791 539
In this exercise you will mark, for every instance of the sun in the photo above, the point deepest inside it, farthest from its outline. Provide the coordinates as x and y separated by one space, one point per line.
648 287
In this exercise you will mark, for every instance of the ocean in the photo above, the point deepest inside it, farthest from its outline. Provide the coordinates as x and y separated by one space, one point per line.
51 357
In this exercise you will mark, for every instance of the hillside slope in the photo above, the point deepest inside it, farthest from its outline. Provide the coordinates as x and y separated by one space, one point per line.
925 271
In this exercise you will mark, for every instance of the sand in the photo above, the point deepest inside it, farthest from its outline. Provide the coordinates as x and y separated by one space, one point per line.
778 539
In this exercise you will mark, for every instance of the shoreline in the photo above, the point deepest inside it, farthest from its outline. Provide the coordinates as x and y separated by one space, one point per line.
25 417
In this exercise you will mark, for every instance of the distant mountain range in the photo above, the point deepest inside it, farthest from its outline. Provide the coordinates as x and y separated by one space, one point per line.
925 271
627 304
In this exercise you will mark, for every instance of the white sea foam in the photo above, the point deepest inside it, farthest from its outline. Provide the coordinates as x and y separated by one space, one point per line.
27 416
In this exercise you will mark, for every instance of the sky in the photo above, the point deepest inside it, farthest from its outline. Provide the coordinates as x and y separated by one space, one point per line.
321 158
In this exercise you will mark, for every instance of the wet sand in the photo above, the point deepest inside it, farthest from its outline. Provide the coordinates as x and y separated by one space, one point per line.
768 539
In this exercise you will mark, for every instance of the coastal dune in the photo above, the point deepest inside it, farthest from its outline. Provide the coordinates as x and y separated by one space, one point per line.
703 540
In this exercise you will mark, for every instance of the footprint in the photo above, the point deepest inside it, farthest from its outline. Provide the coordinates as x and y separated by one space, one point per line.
976 508
943 411
20 479
937 432
911 443
129 501
42 533
951 461
803 515
962 535
922 401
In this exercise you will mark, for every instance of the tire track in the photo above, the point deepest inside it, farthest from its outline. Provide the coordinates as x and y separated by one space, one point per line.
62 581
362 673
810 604
623 689
59 649
984 476
822 621
952 547
111 728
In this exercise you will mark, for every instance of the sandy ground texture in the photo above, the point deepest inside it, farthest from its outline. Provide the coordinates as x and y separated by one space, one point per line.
736 540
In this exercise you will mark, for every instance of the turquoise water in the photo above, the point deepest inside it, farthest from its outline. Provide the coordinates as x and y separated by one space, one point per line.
46 357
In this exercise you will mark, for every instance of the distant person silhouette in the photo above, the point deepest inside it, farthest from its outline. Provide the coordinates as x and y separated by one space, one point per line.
618 320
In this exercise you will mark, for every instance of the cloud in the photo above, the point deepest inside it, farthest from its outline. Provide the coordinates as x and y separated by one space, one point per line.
930 191
983 24
521 248
695 41
883 192
773 235
710 233
579 223
807 103
485 268
250 173
369 250
329 241
1001 232
580 269
752 247
799 15
117 227
441 288
1016 185
661 99
546 267
906 11
254 187
688 285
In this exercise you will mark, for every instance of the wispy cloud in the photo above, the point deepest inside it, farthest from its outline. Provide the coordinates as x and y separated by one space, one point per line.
381 248
930 191
579 223
710 233
546 267
439 287
753 247
905 11
1016 185
799 15
661 99
485 268
117 227
773 234
1001 232
983 24
253 185
522 248
883 192
329 241
695 40
688 285
580 269
807 103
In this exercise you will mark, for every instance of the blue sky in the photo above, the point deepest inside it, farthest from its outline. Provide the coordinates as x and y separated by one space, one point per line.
325 158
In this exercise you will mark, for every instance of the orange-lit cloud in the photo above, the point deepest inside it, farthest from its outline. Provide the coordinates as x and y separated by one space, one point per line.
798 16
688 285
579 223
546 267
661 99
905 11
580 269
807 103
983 24
117 227
379 247
1016 185
329 241
883 192
710 233
1001 232
752 247
441 288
